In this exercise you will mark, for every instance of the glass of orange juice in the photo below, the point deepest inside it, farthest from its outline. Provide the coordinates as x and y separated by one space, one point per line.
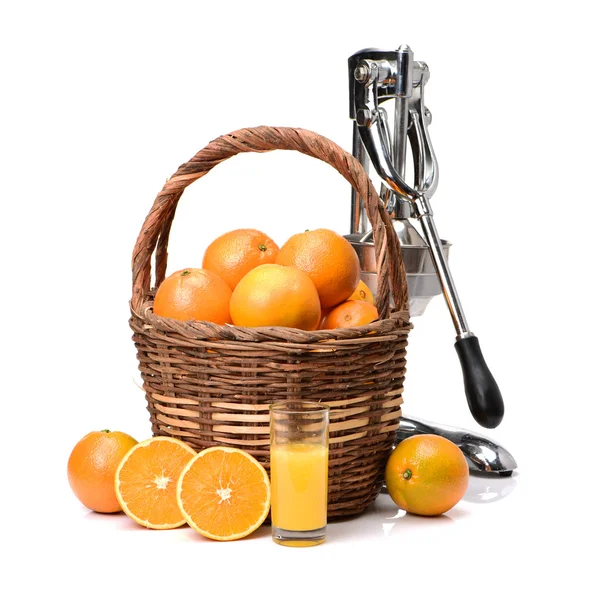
299 472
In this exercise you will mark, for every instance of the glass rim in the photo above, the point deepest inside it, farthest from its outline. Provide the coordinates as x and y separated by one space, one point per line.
299 407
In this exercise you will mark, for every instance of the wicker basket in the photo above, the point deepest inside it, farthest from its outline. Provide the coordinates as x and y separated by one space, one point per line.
209 384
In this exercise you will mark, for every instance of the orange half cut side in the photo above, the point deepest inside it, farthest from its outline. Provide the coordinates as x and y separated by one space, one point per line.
224 493
146 482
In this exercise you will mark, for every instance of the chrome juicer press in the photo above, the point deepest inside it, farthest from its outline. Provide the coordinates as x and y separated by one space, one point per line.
376 76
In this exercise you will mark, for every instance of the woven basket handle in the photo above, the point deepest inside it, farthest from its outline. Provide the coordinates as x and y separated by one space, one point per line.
154 235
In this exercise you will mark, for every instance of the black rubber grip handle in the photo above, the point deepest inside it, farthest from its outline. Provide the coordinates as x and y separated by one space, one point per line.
483 393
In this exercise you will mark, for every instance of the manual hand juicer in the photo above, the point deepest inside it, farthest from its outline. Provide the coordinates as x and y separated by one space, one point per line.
376 76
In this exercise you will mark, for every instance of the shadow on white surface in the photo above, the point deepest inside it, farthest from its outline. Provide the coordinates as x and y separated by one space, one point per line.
402 521
190 535
115 520
385 520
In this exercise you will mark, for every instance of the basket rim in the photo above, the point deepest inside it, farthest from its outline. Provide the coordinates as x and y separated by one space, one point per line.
397 323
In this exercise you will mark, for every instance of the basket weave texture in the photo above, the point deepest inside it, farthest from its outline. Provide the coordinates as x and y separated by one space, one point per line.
209 384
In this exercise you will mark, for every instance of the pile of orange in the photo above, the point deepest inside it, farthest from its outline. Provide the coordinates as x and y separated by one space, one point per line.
311 282
162 483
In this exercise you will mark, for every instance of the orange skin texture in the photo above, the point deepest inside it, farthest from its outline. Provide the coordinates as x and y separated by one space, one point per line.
237 252
362 292
328 258
427 475
92 466
349 314
276 296
194 294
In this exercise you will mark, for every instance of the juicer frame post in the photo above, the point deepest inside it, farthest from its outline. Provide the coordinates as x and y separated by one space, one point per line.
374 77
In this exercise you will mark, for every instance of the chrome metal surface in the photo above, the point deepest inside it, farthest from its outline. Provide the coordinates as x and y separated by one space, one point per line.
425 162
421 277
401 120
358 214
421 289
483 454
445 276
416 257
366 93
374 77
400 207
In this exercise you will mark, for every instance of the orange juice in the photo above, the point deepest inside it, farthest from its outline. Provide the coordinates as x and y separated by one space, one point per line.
299 486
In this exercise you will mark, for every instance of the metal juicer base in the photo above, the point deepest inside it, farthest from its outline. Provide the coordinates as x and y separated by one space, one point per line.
421 289
421 277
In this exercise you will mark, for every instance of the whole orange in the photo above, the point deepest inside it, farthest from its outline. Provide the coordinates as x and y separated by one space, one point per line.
426 474
274 295
362 292
92 466
194 294
349 314
328 258
235 253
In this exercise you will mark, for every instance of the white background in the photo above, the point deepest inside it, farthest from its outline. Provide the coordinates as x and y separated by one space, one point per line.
101 102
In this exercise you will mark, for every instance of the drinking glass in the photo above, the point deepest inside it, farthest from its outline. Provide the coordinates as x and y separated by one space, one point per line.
299 472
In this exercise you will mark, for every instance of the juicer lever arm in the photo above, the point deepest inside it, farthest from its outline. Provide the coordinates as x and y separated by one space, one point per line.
425 163
372 82
373 135
482 392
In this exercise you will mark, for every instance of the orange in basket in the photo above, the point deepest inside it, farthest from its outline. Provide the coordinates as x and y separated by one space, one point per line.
328 258
195 294
350 314
276 296
362 292
237 252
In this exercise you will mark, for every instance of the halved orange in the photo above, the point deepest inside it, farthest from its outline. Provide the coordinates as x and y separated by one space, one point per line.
224 493
146 482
